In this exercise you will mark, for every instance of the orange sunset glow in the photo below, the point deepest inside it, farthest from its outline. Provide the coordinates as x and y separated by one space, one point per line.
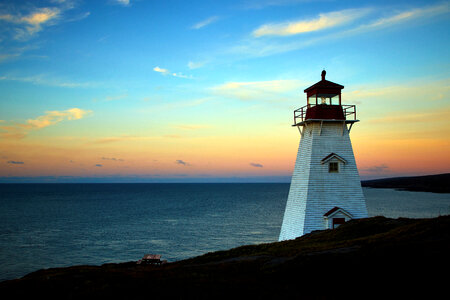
210 96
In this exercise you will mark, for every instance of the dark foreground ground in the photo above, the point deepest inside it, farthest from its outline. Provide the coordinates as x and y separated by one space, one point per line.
373 258
439 183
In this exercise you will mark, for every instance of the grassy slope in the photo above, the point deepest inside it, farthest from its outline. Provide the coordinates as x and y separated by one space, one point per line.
375 256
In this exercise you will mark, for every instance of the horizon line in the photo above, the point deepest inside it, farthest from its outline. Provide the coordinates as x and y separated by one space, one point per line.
194 180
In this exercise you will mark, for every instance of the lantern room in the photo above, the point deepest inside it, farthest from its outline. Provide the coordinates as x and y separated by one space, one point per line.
324 103
324 92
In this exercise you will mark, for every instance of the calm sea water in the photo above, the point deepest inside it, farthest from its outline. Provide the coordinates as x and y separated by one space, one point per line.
56 225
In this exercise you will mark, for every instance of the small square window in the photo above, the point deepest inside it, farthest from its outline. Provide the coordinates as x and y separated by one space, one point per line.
333 167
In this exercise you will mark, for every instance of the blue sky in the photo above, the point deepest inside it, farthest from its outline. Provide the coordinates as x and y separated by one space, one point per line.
151 83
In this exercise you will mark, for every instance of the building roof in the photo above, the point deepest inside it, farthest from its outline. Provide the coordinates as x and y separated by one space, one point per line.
324 84
324 88
331 156
335 210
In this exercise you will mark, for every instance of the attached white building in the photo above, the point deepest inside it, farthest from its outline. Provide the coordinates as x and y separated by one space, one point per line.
325 188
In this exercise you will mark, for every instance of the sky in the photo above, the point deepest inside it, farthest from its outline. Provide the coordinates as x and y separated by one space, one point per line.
204 91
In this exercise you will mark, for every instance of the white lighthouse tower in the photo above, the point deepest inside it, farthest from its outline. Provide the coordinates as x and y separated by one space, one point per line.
325 188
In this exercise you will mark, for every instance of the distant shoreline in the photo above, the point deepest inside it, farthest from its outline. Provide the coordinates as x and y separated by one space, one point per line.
439 183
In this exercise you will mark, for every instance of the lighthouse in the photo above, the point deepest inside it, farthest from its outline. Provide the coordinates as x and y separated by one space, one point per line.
325 188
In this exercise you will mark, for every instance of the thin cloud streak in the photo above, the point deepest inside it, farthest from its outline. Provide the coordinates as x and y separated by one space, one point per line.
431 90
15 162
43 79
53 117
261 4
167 72
205 22
161 70
112 158
323 21
20 130
190 126
402 17
378 169
256 165
29 25
195 65
23 23
26 24
128 138
255 46
182 162
261 90
123 2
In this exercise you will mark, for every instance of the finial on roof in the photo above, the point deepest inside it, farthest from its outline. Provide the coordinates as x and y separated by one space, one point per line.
323 74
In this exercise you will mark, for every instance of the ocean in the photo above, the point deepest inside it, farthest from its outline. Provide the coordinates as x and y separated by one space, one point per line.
58 225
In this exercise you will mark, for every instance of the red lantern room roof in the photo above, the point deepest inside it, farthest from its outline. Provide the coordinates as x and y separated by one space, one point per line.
324 88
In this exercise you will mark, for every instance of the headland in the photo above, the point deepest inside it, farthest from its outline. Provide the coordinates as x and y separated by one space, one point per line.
364 258
439 183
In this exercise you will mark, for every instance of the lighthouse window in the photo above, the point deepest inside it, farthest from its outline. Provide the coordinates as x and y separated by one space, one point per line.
333 167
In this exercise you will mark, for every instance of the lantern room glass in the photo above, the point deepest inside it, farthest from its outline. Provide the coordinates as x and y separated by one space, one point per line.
323 99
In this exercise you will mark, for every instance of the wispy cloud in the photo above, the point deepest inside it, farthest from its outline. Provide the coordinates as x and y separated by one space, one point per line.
438 115
161 70
195 65
123 2
55 116
41 16
261 4
79 17
123 138
13 52
205 22
112 159
181 162
260 48
20 130
111 98
262 90
190 126
376 169
181 75
9 56
400 17
26 21
33 22
256 165
114 139
323 21
431 90
116 97
42 79
15 162
22 22
167 72
348 23
177 105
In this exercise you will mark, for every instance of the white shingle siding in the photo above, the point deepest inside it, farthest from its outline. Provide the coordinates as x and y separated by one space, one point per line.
314 191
